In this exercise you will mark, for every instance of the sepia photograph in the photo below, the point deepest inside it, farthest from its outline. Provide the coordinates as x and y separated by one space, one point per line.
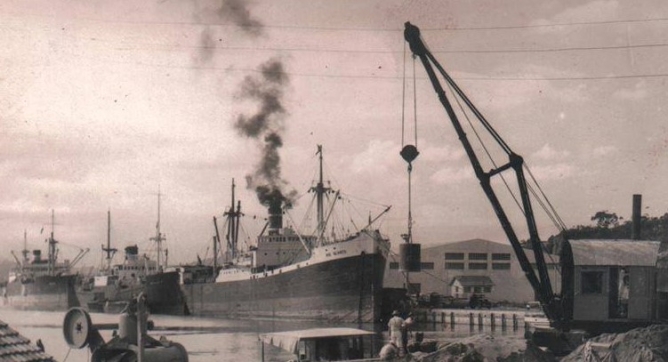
370 180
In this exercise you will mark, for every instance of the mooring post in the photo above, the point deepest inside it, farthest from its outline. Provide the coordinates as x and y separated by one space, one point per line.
141 311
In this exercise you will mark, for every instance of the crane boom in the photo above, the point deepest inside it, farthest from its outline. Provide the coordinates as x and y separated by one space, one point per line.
540 283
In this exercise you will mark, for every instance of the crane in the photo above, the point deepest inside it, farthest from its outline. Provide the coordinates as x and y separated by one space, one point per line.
552 303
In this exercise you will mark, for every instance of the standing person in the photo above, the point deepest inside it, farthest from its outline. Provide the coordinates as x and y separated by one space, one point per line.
395 325
406 331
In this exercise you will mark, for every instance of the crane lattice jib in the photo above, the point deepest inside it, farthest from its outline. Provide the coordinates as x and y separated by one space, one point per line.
541 283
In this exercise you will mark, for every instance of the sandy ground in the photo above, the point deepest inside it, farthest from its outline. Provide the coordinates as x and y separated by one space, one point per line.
648 344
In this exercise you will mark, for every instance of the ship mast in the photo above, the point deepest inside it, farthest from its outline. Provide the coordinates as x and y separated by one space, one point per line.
109 250
233 217
320 191
52 248
158 238
25 250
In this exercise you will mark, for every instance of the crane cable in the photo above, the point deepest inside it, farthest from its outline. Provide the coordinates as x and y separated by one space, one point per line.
543 201
550 212
403 102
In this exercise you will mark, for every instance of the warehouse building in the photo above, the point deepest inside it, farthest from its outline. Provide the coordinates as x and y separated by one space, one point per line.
473 266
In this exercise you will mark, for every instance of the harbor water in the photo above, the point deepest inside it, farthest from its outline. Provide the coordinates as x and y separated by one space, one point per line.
209 339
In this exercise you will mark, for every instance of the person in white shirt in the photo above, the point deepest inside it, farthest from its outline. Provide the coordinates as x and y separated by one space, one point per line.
395 325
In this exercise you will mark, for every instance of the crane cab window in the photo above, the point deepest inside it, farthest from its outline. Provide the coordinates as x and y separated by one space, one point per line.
591 282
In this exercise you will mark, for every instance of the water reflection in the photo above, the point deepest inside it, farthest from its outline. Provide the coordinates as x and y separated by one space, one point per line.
216 339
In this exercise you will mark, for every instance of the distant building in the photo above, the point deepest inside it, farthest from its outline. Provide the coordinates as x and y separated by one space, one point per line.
471 266
464 285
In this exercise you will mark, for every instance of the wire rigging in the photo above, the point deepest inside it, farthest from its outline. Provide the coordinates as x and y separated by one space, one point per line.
293 27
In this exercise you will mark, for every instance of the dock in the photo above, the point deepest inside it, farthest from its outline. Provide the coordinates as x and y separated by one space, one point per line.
488 318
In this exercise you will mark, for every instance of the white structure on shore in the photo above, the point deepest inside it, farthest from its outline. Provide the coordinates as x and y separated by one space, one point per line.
473 266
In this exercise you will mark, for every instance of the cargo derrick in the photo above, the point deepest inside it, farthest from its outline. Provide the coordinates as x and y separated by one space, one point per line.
553 306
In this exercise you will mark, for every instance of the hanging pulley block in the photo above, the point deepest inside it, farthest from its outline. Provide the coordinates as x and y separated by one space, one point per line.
409 153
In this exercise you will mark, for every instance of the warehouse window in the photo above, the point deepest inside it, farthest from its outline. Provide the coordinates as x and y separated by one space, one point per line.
428 265
394 265
454 256
478 266
501 266
454 266
592 282
477 256
497 256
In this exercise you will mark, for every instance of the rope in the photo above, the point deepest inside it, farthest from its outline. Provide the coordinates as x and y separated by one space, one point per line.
403 97
484 147
559 222
415 103
68 354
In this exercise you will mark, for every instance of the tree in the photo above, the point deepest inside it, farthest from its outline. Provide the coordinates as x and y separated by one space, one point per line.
605 219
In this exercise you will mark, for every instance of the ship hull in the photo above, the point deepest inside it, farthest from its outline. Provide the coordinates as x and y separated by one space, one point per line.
48 293
164 295
340 290
162 291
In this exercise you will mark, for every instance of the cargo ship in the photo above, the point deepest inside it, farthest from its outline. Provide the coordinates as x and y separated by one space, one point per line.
36 283
111 290
289 275
114 286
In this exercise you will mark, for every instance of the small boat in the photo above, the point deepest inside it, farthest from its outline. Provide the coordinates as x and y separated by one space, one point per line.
324 344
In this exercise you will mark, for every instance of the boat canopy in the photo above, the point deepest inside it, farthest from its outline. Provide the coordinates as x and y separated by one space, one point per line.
289 340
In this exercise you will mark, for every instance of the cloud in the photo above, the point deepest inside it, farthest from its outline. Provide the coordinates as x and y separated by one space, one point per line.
638 92
440 153
556 171
603 151
375 159
450 175
587 12
548 153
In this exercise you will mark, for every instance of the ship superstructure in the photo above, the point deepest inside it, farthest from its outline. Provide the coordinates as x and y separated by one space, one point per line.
292 275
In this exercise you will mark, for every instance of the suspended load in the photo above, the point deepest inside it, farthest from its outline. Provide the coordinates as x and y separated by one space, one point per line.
410 257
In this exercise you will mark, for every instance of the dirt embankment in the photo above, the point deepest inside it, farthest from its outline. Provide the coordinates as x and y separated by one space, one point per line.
485 348
648 344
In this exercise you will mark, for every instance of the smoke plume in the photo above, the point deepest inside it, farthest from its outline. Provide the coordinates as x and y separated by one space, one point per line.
230 11
236 11
266 125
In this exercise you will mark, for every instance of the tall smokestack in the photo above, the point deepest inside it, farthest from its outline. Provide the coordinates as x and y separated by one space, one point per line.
275 216
637 206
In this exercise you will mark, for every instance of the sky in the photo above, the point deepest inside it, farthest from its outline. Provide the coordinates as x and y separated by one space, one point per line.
104 105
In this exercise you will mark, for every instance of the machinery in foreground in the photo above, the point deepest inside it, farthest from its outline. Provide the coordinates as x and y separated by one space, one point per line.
130 344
